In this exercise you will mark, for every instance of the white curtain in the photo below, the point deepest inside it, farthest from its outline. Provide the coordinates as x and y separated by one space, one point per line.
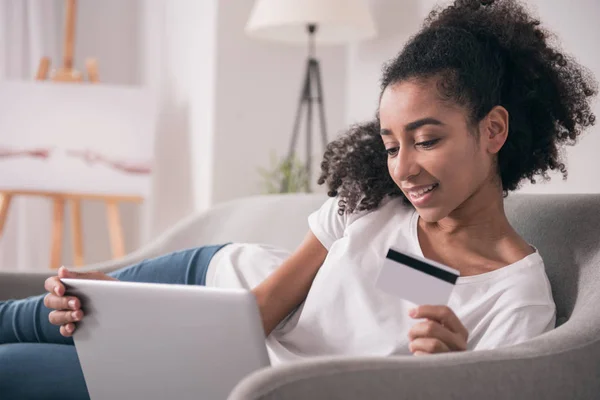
29 30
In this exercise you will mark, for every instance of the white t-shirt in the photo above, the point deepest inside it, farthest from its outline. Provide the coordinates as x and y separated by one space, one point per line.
346 314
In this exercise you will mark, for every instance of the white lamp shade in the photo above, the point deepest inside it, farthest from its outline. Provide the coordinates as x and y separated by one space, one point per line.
337 21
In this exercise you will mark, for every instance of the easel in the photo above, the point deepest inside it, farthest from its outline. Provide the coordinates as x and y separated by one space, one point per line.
67 74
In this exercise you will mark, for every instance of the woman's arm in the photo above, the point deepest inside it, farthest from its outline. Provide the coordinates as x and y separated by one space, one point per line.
288 286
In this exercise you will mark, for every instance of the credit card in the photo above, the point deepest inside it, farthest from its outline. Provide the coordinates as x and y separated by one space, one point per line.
416 279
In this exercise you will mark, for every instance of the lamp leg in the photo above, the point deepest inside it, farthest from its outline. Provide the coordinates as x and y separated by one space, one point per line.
304 96
320 100
312 76
301 101
309 125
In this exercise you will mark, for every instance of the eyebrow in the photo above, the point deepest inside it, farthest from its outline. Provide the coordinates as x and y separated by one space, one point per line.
413 126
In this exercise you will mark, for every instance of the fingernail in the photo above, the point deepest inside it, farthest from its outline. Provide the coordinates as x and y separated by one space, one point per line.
56 291
412 312
74 315
72 303
69 328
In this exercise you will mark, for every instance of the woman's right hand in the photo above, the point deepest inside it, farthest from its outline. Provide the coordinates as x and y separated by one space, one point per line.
67 309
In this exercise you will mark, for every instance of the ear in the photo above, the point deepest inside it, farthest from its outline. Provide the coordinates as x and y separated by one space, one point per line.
494 129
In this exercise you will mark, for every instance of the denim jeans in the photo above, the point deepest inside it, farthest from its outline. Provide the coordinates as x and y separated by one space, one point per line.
37 362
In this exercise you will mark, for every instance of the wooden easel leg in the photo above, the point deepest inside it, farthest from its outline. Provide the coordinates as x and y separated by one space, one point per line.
57 233
75 206
43 69
115 229
4 204
91 65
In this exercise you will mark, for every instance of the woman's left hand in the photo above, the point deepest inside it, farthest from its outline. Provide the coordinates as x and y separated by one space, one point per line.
442 332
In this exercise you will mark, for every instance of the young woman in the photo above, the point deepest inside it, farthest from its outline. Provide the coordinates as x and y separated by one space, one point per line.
475 103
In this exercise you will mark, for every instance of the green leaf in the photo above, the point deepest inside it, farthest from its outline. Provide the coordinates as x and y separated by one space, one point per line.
285 175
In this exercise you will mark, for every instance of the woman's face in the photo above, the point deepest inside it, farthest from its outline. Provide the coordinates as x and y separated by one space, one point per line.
434 157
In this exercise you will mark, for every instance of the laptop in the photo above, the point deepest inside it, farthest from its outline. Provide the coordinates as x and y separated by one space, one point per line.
162 341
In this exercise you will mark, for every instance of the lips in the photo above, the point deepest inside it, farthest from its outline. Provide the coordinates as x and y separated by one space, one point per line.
418 191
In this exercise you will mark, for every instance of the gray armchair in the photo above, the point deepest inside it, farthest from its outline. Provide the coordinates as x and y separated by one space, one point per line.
561 364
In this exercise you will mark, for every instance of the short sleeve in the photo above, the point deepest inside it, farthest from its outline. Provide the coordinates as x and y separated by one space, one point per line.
512 327
327 224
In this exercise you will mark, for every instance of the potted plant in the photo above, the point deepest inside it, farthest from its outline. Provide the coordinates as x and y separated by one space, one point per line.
285 175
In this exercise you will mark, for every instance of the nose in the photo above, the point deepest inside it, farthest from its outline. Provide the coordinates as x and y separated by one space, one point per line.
405 165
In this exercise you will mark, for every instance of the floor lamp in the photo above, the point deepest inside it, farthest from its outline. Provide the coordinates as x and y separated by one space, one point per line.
318 22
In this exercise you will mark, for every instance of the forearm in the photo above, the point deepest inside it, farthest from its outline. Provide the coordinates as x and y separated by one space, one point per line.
288 286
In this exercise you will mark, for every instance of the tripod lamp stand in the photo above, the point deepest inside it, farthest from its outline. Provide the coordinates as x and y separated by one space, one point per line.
318 22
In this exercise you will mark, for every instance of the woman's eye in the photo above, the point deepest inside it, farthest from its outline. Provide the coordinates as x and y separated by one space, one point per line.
428 143
392 151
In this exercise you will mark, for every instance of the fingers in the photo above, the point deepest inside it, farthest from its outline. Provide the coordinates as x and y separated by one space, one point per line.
432 329
423 346
61 302
95 275
67 309
443 315
64 317
63 272
67 330
54 285
441 332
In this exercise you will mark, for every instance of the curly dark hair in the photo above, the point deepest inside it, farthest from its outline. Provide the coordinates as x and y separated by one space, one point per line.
482 54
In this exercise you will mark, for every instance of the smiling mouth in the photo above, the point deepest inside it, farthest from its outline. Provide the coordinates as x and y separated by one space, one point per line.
415 195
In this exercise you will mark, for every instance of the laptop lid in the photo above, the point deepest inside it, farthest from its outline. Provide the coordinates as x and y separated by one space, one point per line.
159 341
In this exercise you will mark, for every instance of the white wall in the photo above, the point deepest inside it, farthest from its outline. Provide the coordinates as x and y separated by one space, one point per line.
258 87
396 21
178 47
578 31
577 28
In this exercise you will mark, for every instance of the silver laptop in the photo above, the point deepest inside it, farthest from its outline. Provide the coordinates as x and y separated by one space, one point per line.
157 341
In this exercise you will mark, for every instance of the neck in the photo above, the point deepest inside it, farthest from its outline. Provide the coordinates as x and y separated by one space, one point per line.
481 216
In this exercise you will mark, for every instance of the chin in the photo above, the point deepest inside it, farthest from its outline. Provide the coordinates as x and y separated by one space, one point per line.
431 215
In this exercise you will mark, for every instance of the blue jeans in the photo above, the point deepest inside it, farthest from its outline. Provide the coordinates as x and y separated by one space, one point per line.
37 362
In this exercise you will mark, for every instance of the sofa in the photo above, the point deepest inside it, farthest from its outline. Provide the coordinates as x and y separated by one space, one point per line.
561 364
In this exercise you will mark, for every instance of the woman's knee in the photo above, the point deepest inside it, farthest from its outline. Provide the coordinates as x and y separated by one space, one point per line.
40 371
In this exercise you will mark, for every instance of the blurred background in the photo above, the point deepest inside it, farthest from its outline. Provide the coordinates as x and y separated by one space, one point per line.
227 101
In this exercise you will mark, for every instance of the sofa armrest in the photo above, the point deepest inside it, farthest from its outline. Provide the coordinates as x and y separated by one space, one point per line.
527 371
16 285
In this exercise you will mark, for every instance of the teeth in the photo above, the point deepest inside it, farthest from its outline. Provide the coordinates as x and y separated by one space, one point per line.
423 191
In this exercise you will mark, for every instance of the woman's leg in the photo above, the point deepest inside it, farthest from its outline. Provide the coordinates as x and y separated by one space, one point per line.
37 371
186 267
26 320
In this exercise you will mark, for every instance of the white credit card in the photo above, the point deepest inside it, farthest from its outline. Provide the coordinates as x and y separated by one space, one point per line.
416 279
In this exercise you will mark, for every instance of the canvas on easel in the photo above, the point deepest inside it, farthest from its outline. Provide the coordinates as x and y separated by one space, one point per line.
73 142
